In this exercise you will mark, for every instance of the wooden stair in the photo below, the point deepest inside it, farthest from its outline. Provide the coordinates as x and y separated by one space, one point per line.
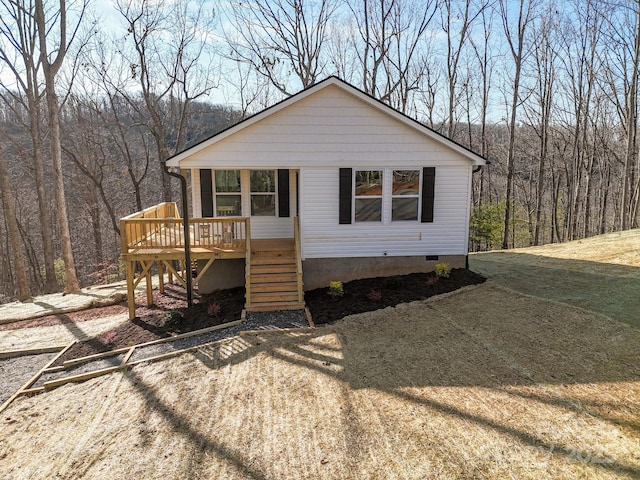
273 283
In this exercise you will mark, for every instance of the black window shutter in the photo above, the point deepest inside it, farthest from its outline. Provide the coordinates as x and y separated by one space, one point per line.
206 193
428 193
283 193
346 190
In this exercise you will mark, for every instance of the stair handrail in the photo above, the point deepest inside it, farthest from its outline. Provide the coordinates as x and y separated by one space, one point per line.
296 239
247 271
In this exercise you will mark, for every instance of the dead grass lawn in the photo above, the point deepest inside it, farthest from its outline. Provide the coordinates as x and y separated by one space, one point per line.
38 337
484 384
600 274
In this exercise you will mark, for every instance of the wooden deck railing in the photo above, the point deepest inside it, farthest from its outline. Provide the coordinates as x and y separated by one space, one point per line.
132 233
161 227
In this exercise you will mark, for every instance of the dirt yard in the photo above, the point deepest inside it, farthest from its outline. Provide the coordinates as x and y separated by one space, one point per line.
487 383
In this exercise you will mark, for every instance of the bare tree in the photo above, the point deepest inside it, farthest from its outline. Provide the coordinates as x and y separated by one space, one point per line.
623 71
485 64
541 100
52 22
515 36
390 34
171 61
281 38
19 53
456 24
7 195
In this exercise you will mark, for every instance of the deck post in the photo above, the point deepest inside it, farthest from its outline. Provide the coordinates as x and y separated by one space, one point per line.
131 294
149 287
161 276
169 274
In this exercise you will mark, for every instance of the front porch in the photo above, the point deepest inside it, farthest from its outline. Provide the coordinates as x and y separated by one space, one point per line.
273 267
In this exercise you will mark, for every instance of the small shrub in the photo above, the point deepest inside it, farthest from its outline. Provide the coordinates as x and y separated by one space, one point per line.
214 309
172 318
443 270
336 289
433 279
374 295
393 283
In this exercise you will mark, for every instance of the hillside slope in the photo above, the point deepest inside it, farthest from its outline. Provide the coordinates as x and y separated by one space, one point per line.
600 274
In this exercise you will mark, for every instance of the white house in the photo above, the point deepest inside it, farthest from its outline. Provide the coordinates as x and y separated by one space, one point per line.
375 192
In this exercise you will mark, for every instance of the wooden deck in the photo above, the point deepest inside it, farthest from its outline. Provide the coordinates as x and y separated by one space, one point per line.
156 235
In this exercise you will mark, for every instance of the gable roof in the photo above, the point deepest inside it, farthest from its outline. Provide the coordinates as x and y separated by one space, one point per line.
476 159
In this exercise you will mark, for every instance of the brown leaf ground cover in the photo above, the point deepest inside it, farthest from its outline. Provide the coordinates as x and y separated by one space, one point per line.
489 383
483 384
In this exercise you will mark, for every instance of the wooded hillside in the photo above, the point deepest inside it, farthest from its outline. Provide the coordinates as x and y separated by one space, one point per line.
95 97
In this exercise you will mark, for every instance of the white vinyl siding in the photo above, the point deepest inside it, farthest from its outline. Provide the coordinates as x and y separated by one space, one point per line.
331 127
323 237
334 129
261 227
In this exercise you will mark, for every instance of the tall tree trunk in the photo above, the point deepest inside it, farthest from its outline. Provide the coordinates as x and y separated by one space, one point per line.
44 205
605 198
96 226
524 17
70 276
8 195
586 230
632 127
50 69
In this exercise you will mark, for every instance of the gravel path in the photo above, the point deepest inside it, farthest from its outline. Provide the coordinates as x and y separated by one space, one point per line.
15 372
254 321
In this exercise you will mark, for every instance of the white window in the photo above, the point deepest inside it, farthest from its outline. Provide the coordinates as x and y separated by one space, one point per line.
227 193
405 195
368 195
263 192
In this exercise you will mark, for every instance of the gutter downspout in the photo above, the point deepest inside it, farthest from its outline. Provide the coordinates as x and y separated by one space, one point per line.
187 238
475 170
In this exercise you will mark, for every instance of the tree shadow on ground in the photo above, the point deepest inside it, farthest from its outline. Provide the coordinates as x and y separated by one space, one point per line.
465 341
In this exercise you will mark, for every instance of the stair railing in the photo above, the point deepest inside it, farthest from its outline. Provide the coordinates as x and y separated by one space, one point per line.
296 238
247 271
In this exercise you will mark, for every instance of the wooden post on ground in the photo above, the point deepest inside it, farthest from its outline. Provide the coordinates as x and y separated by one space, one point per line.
161 276
149 288
131 293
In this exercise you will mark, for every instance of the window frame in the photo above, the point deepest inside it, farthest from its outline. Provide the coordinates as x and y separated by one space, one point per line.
417 196
356 197
386 196
251 193
229 194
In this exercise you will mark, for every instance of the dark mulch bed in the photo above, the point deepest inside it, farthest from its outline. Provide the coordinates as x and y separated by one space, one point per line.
170 315
375 293
167 317
63 318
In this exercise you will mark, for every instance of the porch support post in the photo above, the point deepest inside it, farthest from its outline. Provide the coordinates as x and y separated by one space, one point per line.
149 286
131 300
161 276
